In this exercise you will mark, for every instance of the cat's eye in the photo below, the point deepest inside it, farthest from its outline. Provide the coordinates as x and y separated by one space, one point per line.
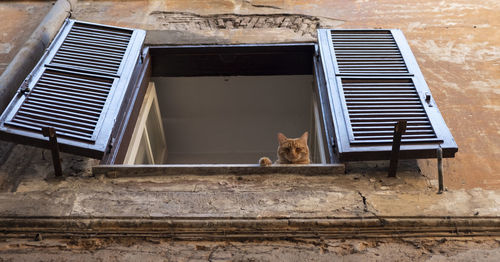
298 150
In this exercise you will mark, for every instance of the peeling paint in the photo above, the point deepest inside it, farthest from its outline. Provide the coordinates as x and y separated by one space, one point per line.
301 24
5 48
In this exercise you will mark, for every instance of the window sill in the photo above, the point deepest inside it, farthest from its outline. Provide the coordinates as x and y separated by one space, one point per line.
117 171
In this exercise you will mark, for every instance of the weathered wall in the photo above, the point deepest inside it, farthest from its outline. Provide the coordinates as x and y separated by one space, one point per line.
456 44
18 20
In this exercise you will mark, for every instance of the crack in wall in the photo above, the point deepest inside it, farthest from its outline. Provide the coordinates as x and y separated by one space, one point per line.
366 208
299 23
261 6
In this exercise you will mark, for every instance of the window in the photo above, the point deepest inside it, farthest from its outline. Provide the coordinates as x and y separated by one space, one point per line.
225 105
113 99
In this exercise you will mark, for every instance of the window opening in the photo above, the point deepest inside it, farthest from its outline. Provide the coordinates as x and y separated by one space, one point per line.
228 115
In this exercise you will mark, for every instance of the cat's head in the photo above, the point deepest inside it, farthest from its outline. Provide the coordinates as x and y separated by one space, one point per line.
293 150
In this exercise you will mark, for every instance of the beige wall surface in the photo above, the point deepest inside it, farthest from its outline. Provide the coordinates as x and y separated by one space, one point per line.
17 22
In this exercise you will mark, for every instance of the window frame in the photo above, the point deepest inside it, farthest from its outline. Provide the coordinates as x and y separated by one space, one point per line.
141 129
226 60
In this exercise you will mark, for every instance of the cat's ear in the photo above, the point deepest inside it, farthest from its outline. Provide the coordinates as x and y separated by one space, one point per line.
281 138
304 137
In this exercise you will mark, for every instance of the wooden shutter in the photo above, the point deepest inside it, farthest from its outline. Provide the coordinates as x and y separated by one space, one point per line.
77 87
372 80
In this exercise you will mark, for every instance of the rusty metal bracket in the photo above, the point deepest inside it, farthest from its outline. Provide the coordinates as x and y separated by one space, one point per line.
399 130
440 170
54 147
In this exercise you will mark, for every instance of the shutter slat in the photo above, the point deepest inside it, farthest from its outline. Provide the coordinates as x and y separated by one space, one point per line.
92 66
390 133
85 116
381 82
83 33
67 98
389 127
87 109
59 123
383 100
379 110
81 50
116 52
89 56
66 86
348 42
382 95
84 121
61 131
379 66
381 107
47 89
390 136
378 91
102 29
383 103
376 114
97 45
94 59
91 63
387 122
102 42
77 82
381 119
388 142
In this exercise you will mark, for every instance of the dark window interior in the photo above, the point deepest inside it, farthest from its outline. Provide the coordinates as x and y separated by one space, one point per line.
225 104
232 60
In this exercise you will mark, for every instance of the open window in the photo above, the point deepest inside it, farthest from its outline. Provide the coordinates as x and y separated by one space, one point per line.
226 104
110 98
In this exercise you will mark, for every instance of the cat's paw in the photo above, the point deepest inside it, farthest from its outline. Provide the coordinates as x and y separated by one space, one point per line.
265 161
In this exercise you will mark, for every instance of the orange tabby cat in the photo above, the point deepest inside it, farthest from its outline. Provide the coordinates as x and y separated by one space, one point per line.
290 151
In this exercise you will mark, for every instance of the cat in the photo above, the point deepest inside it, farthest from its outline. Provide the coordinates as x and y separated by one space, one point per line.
290 151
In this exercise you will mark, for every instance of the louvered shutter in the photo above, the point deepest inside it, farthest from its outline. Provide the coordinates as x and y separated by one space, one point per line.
77 87
373 80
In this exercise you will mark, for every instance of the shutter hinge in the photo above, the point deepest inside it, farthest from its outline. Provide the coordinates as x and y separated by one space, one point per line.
24 89
428 99
316 51
143 55
111 145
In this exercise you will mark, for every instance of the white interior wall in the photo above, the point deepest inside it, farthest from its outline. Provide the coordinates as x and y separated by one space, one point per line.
225 120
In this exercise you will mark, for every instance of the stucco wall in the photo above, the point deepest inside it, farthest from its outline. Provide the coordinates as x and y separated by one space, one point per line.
18 20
